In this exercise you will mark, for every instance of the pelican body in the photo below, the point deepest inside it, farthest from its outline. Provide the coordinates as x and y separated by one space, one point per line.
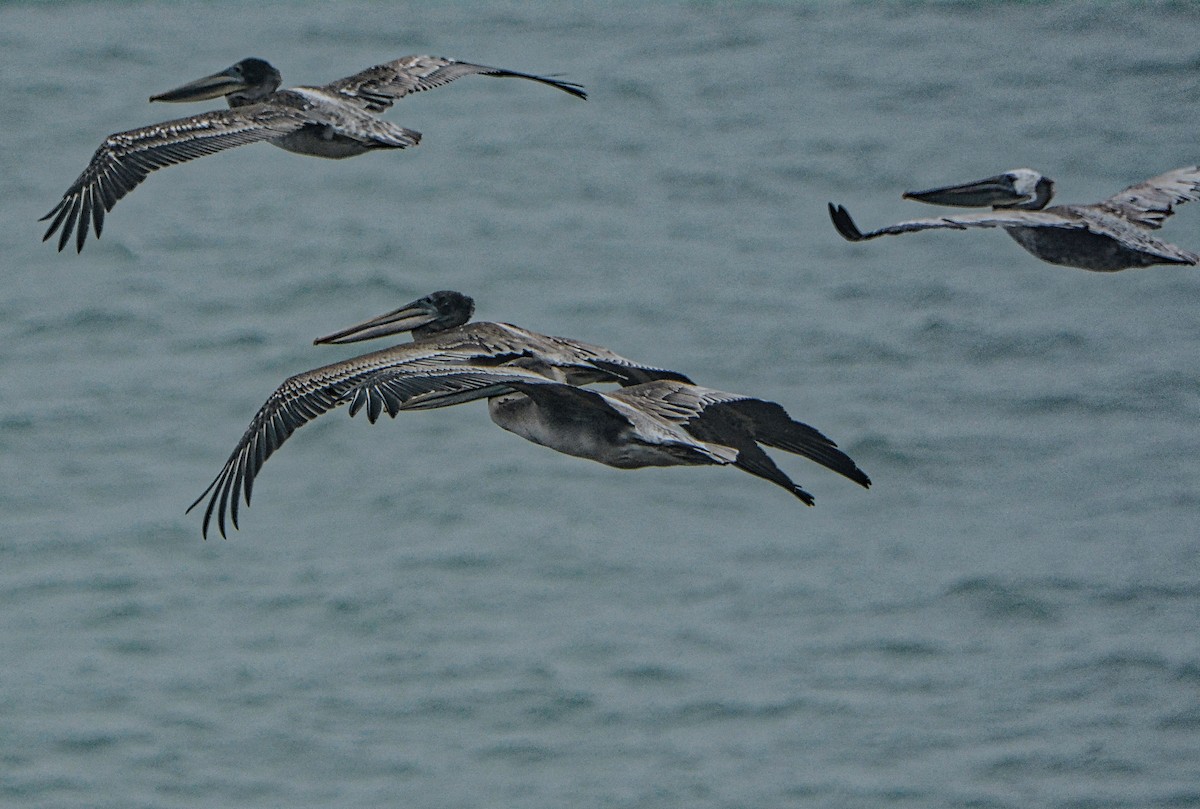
1114 234
661 422
443 338
337 120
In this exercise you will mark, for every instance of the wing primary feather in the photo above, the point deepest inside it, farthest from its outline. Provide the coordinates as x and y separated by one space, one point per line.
59 213
69 224
224 504
85 218
250 475
236 491
374 406
98 203
208 512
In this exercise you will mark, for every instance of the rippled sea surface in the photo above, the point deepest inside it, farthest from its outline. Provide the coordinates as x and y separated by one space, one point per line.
432 612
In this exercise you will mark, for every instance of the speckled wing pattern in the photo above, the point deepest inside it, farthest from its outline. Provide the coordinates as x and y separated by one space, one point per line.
1149 203
125 159
377 88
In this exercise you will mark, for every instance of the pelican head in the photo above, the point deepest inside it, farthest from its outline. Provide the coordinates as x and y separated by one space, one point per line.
429 315
244 83
1019 188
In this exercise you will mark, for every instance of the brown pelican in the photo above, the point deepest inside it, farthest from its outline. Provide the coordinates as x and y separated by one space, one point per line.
442 337
333 121
664 422
1111 235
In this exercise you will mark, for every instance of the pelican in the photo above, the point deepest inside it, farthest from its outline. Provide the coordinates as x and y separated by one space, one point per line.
663 422
1114 234
335 121
442 338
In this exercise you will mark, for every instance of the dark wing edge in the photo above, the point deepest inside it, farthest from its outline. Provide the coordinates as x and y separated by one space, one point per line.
570 87
844 224
850 232
629 373
771 425
716 425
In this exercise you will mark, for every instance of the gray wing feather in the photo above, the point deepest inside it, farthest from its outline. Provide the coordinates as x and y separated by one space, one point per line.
378 87
671 401
1149 203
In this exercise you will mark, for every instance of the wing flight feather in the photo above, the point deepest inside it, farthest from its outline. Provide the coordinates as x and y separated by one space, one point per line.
125 159
378 87
1150 202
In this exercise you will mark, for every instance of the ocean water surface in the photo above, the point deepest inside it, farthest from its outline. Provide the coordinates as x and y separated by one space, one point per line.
431 612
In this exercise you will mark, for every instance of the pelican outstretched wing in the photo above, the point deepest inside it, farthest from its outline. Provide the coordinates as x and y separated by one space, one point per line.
299 400
126 158
1149 203
992 219
377 88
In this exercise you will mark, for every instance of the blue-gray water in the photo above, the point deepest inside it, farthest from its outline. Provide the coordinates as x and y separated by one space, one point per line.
434 613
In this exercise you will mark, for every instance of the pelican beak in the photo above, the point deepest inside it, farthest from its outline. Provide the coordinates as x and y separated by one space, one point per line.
406 318
218 84
995 191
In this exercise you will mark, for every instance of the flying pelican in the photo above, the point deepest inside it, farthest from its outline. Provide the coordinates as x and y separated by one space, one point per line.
333 121
442 337
663 422
1111 235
